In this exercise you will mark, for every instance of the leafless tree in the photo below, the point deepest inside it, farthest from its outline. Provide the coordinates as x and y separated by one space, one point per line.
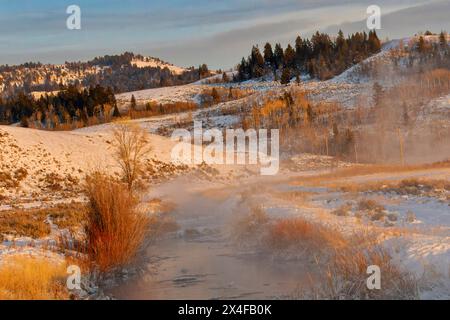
132 146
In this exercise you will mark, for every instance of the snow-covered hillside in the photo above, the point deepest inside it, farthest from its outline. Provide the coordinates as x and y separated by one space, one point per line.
156 63
161 95
38 166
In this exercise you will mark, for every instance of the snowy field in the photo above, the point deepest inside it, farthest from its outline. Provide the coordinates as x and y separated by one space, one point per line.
415 228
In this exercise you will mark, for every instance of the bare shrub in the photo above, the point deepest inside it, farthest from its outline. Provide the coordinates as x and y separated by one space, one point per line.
377 216
20 174
131 149
53 181
115 229
344 210
370 205
7 180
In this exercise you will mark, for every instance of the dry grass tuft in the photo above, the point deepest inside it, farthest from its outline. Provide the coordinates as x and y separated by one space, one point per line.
28 278
346 277
300 233
68 216
252 226
370 205
21 223
344 210
33 223
115 229
363 170
437 188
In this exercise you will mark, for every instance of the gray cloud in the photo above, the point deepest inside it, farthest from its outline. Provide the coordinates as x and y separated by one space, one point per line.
215 32
406 22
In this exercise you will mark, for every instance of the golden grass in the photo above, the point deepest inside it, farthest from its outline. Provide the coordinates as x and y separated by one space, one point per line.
343 210
28 278
301 233
24 223
343 274
300 197
32 223
346 277
68 216
363 170
412 186
115 229
370 205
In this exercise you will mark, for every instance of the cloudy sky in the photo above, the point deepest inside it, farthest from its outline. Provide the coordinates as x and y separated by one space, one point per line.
216 32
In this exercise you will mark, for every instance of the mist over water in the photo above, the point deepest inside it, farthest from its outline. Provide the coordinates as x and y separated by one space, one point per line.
202 260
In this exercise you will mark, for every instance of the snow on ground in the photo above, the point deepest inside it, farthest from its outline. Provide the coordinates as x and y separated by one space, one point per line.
216 78
59 157
163 95
437 109
45 163
346 88
156 63
353 74
190 92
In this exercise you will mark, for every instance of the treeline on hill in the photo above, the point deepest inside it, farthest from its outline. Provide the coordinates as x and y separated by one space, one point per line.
70 108
433 54
116 71
421 54
321 57
124 76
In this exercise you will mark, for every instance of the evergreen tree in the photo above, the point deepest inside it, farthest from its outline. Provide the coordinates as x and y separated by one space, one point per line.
278 56
443 40
321 56
256 63
203 71
225 77
299 53
215 96
374 42
289 57
116 112
268 55
243 72
421 46
297 77
133 105
285 76
340 41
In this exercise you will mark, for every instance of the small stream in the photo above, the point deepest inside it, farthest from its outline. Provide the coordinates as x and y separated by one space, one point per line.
201 261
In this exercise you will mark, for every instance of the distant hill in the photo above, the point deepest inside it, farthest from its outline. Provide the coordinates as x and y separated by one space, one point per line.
122 73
